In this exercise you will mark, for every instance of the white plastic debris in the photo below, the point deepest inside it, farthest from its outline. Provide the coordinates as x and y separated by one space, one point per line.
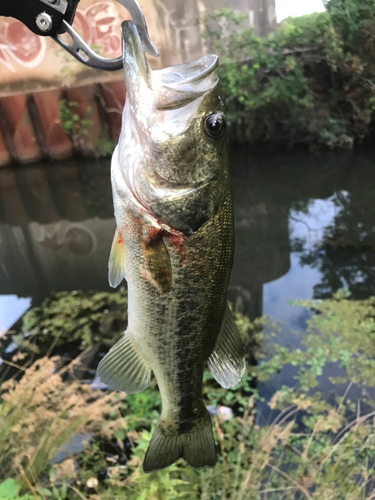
223 411
92 482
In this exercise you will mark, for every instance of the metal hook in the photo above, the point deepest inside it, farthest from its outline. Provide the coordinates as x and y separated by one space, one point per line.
79 49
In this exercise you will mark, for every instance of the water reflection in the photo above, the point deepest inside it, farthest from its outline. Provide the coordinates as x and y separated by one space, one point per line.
304 227
56 227
345 256
11 308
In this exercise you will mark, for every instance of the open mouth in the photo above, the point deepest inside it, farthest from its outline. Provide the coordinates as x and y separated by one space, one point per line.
169 88
176 86
189 73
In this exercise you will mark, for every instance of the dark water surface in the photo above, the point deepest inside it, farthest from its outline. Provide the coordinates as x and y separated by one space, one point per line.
305 227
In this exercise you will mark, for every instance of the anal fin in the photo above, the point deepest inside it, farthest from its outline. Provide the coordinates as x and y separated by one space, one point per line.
227 361
116 264
123 369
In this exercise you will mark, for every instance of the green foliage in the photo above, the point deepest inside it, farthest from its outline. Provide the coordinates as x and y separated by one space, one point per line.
346 337
313 448
92 317
73 125
77 127
104 146
355 22
310 447
9 489
38 414
311 81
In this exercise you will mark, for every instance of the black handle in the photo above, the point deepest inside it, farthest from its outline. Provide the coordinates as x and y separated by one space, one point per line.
43 17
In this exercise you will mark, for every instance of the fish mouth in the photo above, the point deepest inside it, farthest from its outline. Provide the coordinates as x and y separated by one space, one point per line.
137 71
172 87
177 86
188 73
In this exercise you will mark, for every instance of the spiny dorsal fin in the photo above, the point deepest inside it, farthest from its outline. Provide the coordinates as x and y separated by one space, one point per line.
123 369
116 264
159 270
227 361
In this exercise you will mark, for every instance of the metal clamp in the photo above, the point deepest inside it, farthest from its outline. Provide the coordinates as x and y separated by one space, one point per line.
79 49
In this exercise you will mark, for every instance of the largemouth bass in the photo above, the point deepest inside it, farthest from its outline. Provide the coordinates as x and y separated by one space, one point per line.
174 246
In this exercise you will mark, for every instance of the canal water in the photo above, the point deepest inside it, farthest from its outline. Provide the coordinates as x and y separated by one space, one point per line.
305 227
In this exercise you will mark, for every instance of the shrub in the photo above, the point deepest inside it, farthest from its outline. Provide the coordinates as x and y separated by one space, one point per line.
301 444
309 82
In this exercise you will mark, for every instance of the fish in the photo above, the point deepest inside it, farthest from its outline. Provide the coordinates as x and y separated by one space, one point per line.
174 245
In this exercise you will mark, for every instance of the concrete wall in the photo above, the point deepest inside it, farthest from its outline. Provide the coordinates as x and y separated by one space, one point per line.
175 29
35 72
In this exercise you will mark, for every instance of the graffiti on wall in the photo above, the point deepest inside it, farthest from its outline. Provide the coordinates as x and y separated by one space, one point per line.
20 46
29 63
98 24
64 236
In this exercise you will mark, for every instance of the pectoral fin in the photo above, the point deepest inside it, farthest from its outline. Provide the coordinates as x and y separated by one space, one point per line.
158 269
227 361
123 369
116 264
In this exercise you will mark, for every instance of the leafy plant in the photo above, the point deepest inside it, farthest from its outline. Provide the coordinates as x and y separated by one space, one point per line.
311 81
300 444
89 317
71 122
38 414
104 146
77 127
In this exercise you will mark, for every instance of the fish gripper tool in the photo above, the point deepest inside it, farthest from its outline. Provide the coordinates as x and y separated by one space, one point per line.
55 17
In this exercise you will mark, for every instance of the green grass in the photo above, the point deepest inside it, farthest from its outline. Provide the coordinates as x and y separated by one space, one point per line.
315 447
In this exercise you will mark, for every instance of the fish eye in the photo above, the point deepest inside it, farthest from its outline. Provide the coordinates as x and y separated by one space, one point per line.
214 125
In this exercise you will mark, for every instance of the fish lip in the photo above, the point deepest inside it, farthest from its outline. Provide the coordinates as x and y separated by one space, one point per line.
137 70
176 86
177 75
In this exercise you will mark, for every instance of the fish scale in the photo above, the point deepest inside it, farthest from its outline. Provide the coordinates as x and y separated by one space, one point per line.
174 245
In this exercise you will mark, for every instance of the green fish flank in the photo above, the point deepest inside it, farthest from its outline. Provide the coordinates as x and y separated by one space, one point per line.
174 245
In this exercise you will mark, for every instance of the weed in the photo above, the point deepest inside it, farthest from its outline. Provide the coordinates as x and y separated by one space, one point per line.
39 413
311 446
75 127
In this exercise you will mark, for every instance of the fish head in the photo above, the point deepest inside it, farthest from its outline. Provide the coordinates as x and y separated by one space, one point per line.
172 151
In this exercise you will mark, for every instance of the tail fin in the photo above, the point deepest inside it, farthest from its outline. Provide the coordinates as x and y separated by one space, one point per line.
196 447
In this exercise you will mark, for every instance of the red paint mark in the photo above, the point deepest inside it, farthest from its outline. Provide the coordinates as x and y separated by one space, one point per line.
168 274
119 240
